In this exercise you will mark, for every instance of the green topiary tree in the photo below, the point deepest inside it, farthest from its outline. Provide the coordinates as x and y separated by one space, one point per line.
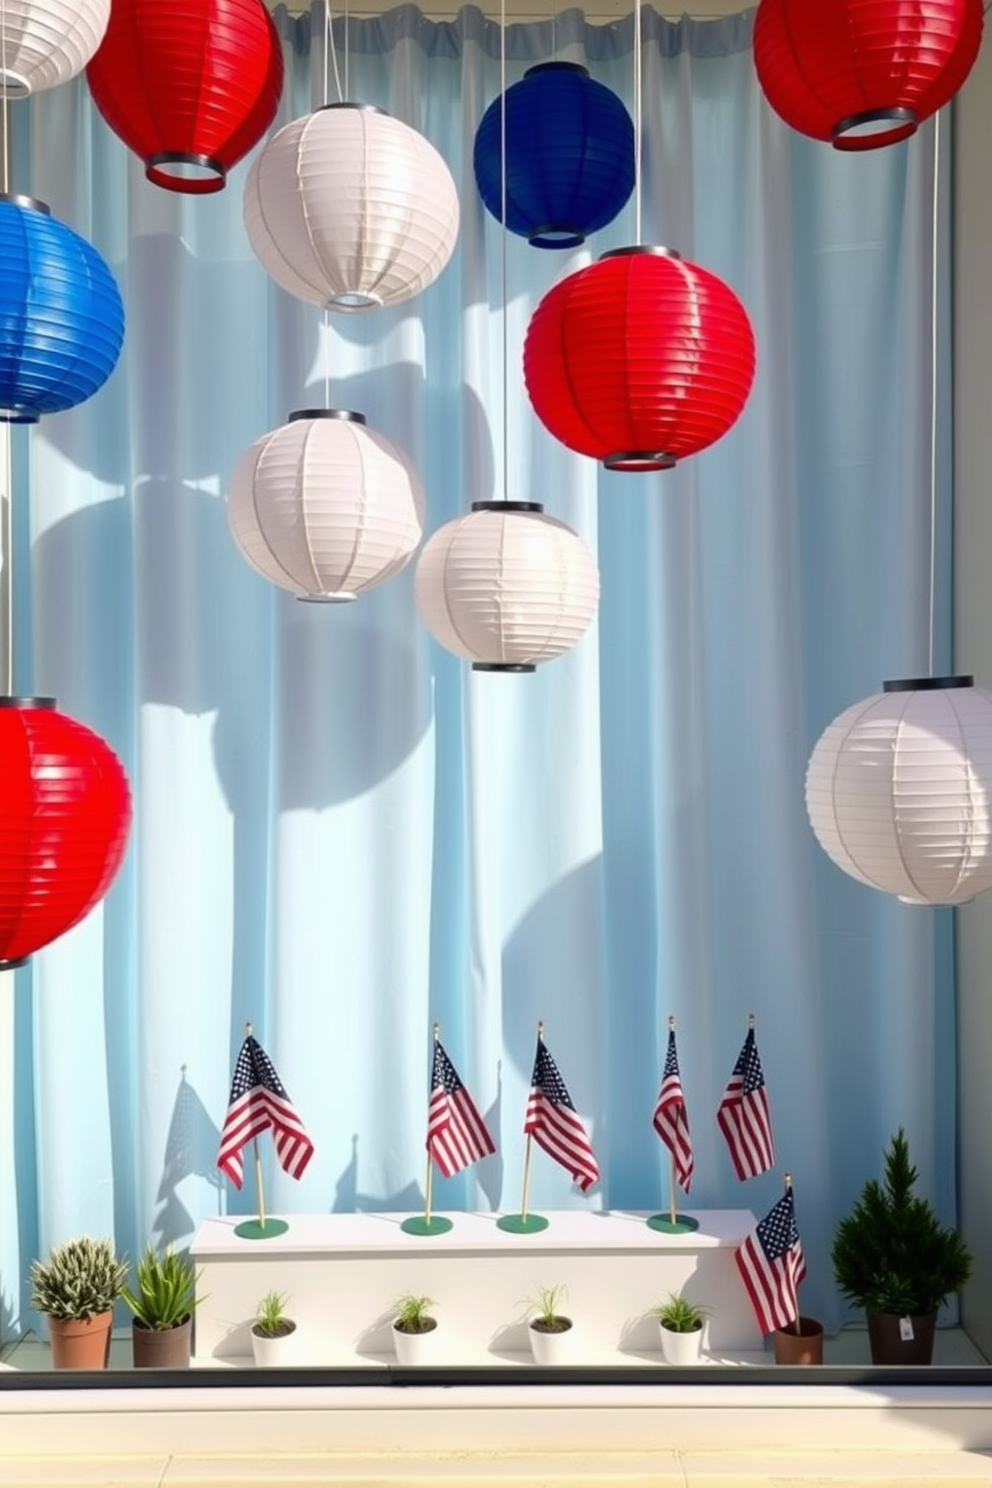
891 1253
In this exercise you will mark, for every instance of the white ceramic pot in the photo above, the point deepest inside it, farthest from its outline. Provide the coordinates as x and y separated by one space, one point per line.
273 1353
415 1348
681 1348
551 1348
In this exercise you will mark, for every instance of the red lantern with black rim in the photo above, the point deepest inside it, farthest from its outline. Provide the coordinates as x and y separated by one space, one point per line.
640 359
189 85
863 73
65 814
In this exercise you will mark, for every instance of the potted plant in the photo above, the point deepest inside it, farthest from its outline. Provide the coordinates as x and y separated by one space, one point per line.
413 1328
77 1287
271 1330
681 1325
893 1257
549 1329
162 1306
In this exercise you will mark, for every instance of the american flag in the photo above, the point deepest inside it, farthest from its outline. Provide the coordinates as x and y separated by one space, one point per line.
744 1117
671 1121
772 1265
259 1101
456 1133
552 1121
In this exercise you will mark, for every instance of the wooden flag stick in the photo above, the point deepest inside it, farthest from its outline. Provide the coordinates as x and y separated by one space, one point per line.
672 1210
787 1179
258 1184
527 1148
429 1180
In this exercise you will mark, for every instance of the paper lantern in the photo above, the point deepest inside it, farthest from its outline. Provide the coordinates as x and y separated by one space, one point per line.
350 209
189 85
569 156
325 507
47 42
899 790
863 73
61 317
639 360
65 814
507 586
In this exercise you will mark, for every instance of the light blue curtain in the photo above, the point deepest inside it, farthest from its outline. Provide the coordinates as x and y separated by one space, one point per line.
341 833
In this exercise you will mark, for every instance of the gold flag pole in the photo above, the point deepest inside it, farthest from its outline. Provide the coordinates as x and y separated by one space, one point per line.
787 1180
429 1180
672 1223
672 1207
524 1223
428 1223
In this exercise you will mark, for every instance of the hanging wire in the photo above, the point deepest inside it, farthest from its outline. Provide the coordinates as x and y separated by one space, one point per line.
502 219
330 51
347 49
554 32
6 114
638 125
7 535
933 386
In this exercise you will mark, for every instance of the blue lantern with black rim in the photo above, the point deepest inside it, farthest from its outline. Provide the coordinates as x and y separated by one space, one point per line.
569 155
61 316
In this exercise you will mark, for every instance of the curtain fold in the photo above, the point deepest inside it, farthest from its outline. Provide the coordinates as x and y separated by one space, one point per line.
341 833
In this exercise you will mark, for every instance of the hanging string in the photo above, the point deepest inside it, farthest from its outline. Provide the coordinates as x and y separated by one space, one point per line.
933 386
502 219
347 50
6 115
638 126
7 536
554 33
330 51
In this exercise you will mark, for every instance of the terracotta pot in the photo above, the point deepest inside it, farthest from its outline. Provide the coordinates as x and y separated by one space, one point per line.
415 1348
162 1348
550 1346
888 1346
81 1343
804 1347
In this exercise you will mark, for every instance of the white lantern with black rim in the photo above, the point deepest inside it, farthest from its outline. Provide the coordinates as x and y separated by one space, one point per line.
507 586
326 507
899 790
47 42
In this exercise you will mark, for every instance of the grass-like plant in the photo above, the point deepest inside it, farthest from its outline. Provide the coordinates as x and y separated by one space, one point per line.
891 1253
679 1315
80 1279
271 1320
545 1304
165 1289
412 1314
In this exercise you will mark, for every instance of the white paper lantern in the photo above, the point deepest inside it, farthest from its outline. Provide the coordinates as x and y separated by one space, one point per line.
899 790
350 209
47 42
506 586
325 507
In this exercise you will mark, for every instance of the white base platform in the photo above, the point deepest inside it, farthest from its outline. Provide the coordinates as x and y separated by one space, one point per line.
342 1274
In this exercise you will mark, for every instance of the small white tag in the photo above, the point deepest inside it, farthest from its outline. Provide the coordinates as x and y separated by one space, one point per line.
906 1330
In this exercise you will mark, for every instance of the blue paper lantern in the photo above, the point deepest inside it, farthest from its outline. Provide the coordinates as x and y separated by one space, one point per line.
569 156
61 316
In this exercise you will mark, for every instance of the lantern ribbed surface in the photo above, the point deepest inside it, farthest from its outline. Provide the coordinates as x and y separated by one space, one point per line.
351 209
47 42
639 360
507 586
569 155
899 790
325 507
863 73
65 814
189 85
61 316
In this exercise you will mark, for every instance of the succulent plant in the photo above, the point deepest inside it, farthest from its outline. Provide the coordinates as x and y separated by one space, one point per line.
165 1291
80 1279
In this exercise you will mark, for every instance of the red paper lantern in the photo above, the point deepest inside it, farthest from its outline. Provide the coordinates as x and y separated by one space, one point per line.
65 812
189 85
639 359
863 73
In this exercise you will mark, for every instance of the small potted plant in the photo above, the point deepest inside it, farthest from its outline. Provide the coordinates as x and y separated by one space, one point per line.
77 1287
681 1325
893 1257
161 1305
272 1330
549 1329
413 1328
